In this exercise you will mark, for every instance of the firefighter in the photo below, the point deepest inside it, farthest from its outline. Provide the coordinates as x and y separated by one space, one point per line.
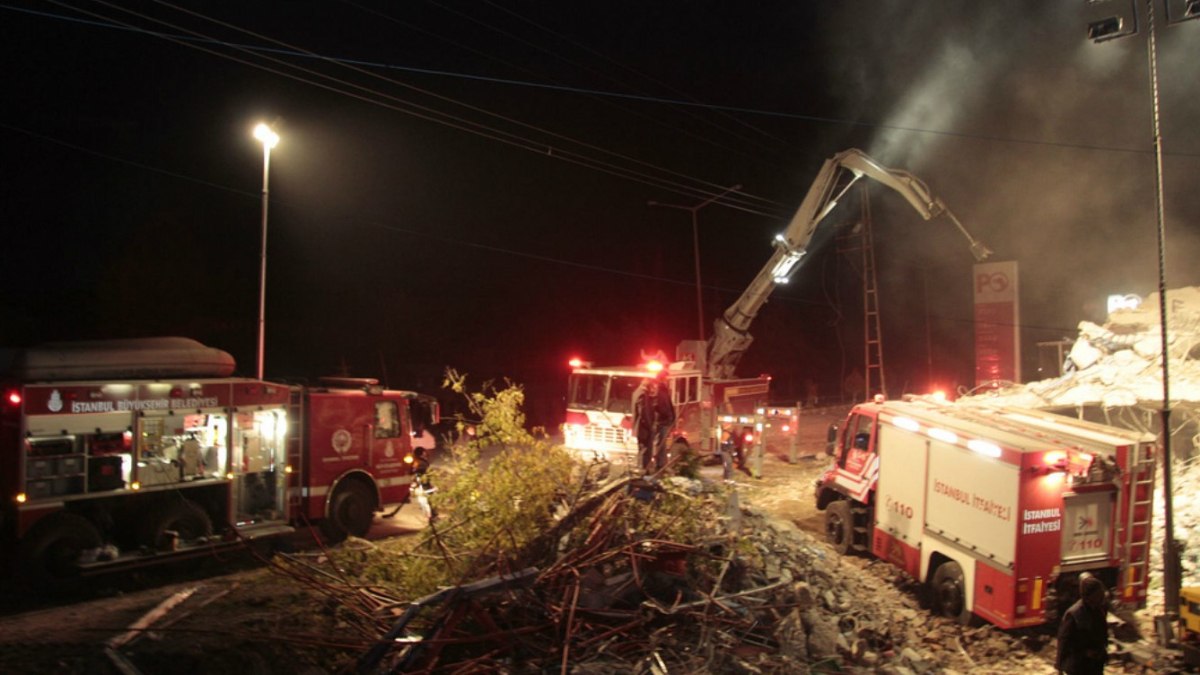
653 417
1083 632
729 451
422 487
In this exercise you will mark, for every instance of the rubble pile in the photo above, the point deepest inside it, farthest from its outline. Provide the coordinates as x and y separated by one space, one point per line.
673 576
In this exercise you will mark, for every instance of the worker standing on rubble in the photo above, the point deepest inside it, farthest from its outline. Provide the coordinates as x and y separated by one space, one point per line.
1083 633
653 417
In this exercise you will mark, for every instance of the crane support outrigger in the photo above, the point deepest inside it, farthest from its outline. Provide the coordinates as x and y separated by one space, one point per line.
731 337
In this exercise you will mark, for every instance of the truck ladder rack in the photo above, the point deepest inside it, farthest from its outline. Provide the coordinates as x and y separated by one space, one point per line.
1135 523
295 449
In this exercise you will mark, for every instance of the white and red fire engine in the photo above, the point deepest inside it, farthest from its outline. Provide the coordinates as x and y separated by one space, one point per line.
129 451
702 379
998 511
599 421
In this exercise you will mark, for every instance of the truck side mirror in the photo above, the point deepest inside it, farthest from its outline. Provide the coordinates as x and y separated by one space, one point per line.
831 439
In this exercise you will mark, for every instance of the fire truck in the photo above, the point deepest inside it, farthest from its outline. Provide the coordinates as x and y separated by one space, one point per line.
127 452
702 380
599 421
997 511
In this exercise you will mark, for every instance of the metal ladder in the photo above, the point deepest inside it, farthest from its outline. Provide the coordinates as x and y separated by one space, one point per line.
1139 508
295 448
859 240
873 333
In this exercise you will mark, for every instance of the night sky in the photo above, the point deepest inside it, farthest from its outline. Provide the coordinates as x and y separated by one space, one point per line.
466 184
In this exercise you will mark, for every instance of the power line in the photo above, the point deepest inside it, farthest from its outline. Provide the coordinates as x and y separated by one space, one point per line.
364 93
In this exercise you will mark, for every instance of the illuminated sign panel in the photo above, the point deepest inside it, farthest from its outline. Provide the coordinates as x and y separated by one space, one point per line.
997 323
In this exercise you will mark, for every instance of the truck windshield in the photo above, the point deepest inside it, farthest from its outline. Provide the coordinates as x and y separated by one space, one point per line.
587 391
620 397
610 393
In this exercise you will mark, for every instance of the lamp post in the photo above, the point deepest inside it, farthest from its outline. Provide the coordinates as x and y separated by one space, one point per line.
696 246
1109 20
269 139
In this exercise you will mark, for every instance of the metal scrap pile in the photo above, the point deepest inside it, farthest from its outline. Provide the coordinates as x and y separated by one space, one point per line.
659 578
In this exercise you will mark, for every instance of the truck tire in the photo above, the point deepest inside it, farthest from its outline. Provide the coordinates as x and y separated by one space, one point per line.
184 517
49 554
351 512
839 526
948 594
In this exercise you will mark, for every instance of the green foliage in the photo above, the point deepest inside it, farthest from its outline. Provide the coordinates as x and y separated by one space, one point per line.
486 513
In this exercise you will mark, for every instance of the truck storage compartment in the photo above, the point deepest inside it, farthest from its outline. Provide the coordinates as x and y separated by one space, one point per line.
104 473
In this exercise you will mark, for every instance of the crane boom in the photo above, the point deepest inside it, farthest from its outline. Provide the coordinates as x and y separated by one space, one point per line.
731 335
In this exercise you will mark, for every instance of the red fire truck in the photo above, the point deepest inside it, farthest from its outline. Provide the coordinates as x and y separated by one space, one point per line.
996 510
599 421
131 451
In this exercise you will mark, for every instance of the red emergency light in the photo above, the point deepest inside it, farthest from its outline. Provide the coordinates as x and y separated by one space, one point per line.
575 362
13 398
654 366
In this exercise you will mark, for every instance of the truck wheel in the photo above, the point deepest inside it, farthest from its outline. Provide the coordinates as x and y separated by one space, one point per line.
839 526
184 517
49 554
351 512
948 591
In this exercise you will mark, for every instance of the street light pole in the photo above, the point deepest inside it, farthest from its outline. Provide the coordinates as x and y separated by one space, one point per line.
1109 22
269 139
696 247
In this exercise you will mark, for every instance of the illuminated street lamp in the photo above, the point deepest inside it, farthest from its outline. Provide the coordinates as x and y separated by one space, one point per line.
269 139
696 246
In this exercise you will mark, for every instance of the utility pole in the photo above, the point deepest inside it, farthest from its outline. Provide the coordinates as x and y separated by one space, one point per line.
1109 20
696 247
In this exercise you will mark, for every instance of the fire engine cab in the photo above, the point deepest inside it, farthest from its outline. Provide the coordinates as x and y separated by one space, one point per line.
130 451
599 420
996 510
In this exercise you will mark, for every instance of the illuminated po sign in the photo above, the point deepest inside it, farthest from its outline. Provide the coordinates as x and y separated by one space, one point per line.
1129 301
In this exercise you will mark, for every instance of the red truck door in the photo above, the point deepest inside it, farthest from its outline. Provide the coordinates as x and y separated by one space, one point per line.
390 441
855 458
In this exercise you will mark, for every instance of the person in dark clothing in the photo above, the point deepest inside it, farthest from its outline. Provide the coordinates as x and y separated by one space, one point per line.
422 487
1083 632
653 416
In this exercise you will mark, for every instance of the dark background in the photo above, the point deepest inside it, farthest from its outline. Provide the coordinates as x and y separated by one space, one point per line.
466 183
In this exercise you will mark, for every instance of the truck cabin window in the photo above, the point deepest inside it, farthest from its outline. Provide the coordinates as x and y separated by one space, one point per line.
587 391
387 420
620 395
